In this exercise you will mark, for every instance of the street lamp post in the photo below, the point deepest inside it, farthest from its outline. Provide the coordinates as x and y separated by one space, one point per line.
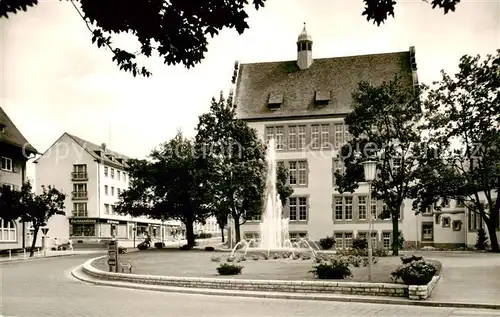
370 168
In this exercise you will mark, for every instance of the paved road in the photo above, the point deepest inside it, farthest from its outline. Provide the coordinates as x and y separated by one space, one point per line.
45 288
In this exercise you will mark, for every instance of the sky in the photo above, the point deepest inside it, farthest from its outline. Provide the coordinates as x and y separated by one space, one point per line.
54 80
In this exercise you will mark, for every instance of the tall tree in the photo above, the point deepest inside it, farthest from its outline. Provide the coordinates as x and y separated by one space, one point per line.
177 31
463 126
236 165
383 125
168 186
37 209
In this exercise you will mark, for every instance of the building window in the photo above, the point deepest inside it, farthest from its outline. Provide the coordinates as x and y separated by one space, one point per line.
460 203
106 190
457 225
446 222
112 173
252 236
325 135
105 171
269 134
315 136
293 172
7 231
396 166
80 210
82 230
373 206
294 236
106 209
339 240
118 192
347 135
292 137
112 191
280 138
362 207
348 240
6 164
446 203
386 240
348 207
337 166
427 232
118 175
124 176
298 208
428 211
298 172
338 208
80 191
112 210
255 218
338 134
302 137
374 240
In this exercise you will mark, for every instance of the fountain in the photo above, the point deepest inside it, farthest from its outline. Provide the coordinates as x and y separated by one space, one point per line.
274 232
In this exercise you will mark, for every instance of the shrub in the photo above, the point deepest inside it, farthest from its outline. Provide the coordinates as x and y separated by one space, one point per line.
229 269
255 257
359 244
306 256
381 252
159 245
482 240
276 256
186 247
231 258
327 243
409 259
415 273
122 250
143 246
337 268
209 249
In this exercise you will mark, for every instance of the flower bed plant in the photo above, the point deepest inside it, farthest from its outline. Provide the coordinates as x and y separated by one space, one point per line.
229 269
417 272
337 268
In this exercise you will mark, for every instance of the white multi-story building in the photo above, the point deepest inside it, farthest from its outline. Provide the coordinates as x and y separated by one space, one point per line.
92 177
302 105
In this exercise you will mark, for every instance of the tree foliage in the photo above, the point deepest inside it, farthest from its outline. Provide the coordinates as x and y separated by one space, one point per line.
383 125
177 30
168 186
235 163
463 126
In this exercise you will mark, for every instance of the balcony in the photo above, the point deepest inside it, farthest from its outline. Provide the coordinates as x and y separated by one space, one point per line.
80 195
79 176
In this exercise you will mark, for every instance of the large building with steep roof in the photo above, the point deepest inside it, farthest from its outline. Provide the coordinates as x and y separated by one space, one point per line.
302 104
15 151
93 176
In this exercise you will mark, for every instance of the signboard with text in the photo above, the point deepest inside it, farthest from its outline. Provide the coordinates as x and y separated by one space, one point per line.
113 255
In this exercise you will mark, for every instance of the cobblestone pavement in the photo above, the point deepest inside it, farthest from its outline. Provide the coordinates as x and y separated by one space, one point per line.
45 288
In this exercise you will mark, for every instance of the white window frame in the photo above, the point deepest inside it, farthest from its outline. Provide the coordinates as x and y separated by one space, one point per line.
280 138
292 137
338 130
8 231
348 207
6 164
362 200
301 132
315 136
80 212
325 135
338 206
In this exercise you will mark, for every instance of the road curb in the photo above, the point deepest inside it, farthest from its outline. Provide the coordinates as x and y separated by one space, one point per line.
80 275
37 258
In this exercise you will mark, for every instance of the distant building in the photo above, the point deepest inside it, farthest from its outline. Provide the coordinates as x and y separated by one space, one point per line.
92 176
15 151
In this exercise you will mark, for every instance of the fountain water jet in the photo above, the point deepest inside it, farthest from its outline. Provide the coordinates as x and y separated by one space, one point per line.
274 231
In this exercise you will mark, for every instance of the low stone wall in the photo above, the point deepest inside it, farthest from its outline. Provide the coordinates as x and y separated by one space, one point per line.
419 292
352 288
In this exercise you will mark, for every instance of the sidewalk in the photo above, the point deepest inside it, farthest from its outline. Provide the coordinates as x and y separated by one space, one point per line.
49 254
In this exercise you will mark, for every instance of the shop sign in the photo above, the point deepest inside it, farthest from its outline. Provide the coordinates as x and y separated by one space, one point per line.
82 221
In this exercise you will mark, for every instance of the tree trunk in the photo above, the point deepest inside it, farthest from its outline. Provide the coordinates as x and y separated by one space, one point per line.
222 234
237 232
35 234
395 235
491 225
189 233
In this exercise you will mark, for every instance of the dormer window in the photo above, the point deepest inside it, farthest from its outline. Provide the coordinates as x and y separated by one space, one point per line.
2 128
275 100
98 152
322 98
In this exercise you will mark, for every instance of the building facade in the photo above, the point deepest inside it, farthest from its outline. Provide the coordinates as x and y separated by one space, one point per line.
15 151
302 105
93 176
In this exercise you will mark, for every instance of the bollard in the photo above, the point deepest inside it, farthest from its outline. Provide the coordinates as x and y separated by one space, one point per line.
24 252
10 254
